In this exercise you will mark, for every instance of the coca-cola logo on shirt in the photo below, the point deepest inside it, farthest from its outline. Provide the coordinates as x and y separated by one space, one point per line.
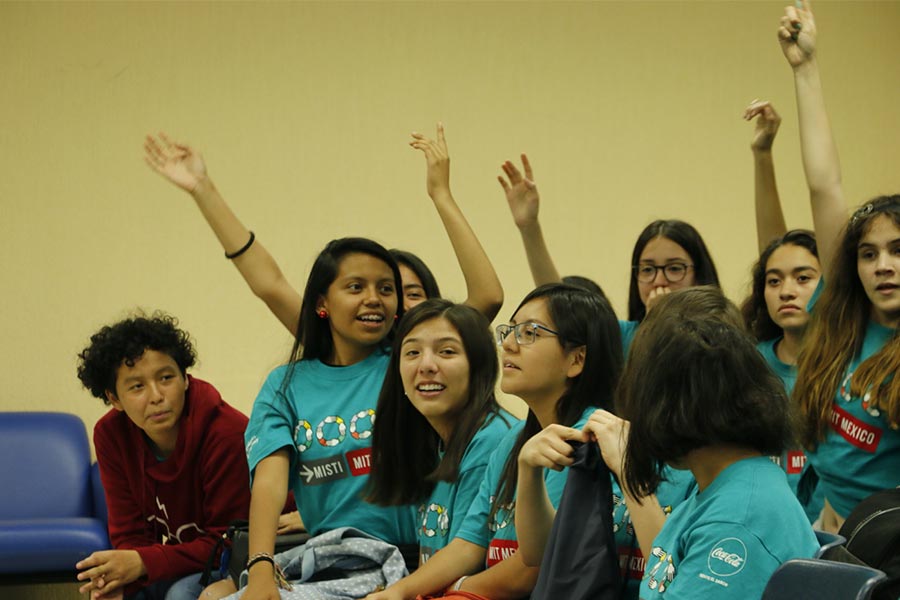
727 557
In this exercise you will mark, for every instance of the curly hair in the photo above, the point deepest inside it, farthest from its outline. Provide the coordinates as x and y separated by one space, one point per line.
125 342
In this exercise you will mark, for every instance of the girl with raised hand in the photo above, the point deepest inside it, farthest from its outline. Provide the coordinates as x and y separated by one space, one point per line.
700 397
783 281
562 355
668 254
847 390
185 167
439 391
311 424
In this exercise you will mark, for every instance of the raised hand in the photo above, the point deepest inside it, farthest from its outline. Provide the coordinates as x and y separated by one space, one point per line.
521 193
797 33
767 123
177 162
610 432
437 180
550 448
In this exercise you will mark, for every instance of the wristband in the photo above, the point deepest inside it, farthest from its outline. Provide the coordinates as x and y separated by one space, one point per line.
459 583
261 557
243 249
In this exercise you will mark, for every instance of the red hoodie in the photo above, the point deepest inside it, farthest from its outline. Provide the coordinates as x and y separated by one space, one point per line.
173 512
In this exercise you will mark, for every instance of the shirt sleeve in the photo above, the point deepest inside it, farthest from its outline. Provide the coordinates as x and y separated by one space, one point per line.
270 427
721 560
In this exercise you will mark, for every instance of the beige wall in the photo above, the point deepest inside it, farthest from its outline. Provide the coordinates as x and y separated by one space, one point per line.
629 111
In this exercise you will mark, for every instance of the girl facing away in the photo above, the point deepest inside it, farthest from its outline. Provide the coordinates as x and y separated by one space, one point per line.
668 254
561 353
439 391
699 396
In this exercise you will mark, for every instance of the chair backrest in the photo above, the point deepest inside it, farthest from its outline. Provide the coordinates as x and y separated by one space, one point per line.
99 495
45 467
827 541
823 580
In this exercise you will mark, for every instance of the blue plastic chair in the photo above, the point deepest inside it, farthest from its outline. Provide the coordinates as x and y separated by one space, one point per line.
47 510
827 542
822 580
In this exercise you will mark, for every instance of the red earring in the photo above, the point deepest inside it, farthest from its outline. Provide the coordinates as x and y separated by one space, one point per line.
323 314
396 317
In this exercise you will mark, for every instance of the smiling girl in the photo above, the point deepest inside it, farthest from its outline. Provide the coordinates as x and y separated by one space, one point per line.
311 425
439 391
562 355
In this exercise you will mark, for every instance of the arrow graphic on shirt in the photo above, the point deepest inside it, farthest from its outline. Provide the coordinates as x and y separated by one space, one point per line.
307 472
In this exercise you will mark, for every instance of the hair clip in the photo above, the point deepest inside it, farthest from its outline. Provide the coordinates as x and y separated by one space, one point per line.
862 212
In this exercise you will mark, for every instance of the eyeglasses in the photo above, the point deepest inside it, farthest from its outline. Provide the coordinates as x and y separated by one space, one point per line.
673 272
525 333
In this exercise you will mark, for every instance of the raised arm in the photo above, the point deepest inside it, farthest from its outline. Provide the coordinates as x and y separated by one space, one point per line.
769 216
482 284
184 167
524 203
798 37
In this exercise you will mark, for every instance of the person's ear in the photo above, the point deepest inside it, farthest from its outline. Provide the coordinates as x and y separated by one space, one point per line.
113 400
576 361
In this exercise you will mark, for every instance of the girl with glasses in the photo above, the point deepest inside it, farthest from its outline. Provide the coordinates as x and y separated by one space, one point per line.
668 254
561 353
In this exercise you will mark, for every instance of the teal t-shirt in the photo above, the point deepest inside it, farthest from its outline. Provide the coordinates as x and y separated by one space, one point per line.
678 486
499 535
726 541
325 418
627 329
441 516
860 454
793 462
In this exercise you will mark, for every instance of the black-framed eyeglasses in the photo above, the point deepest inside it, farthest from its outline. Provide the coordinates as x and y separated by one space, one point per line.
673 272
525 333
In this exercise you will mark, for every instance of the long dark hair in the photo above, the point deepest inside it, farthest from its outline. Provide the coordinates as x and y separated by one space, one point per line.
418 266
405 458
581 318
693 379
313 337
836 333
754 309
685 236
